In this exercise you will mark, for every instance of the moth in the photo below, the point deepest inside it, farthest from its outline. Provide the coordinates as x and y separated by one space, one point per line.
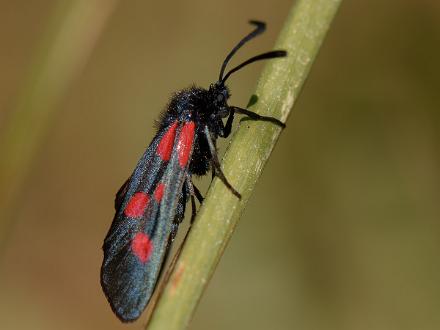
150 205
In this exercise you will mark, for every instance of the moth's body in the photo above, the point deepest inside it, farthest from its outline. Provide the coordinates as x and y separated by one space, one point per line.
151 203
206 108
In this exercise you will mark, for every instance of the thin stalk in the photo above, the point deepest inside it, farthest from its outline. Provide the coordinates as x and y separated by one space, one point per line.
277 91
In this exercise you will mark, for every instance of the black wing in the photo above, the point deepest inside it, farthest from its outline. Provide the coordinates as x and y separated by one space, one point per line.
147 206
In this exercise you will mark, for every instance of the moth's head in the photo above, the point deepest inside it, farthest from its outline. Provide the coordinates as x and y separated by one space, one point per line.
219 95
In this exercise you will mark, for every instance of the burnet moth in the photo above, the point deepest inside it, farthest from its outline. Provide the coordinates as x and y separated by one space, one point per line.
150 205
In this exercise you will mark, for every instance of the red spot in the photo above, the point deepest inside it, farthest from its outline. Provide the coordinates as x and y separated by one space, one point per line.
176 279
137 204
142 246
166 143
158 194
184 145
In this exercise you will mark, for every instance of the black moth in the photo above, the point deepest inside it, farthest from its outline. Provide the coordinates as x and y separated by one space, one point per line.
151 203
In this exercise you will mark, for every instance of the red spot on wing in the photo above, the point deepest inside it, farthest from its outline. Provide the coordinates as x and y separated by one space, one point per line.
166 143
158 194
186 139
137 204
142 246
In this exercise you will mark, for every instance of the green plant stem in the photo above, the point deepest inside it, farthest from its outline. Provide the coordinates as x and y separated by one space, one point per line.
277 91
72 33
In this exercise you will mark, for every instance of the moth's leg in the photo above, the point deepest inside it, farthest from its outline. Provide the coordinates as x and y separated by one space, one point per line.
255 116
193 209
198 194
192 192
216 163
225 131
212 173
120 195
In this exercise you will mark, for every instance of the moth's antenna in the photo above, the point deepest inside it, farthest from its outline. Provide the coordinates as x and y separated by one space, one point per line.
260 27
264 56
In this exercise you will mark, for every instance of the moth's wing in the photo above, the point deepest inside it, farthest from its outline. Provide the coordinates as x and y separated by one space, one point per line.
137 242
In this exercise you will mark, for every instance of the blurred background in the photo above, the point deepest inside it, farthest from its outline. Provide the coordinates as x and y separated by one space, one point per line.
343 229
